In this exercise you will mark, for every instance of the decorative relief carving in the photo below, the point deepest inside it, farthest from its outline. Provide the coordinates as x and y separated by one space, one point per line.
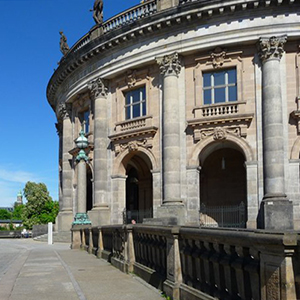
131 78
271 47
220 133
218 57
63 111
59 128
169 64
98 88
133 145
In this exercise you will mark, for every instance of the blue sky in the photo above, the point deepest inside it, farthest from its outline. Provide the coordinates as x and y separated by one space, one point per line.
29 52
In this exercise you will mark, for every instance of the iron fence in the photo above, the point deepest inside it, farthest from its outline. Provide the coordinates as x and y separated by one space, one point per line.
223 216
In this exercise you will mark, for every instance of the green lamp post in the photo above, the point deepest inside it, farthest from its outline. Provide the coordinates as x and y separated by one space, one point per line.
81 217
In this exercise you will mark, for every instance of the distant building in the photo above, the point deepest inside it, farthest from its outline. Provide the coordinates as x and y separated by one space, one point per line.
10 209
192 111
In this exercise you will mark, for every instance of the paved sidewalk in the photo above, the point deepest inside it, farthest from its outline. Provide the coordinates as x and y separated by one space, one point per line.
38 271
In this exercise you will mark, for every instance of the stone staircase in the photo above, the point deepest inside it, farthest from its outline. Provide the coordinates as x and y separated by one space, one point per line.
58 237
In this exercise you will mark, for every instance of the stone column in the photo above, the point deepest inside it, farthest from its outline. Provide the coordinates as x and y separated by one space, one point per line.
277 209
170 68
100 214
65 216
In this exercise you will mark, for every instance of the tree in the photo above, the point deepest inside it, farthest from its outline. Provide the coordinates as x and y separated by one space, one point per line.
5 214
18 212
39 209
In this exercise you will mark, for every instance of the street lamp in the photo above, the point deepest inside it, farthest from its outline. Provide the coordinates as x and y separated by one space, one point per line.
81 217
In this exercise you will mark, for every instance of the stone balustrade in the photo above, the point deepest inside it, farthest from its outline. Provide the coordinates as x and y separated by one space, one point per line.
130 15
198 263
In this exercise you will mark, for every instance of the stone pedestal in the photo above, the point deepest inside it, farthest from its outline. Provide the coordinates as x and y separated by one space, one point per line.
277 210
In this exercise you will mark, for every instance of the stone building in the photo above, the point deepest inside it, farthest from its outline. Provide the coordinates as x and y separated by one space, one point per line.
191 111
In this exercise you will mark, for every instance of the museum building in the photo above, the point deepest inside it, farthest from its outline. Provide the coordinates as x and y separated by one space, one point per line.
189 111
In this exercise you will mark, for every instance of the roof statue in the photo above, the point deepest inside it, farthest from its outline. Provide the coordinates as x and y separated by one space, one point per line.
64 48
98 11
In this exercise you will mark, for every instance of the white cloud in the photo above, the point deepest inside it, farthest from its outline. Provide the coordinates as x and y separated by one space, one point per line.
17 176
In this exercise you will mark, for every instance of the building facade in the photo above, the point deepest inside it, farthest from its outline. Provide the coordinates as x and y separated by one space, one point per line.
191 110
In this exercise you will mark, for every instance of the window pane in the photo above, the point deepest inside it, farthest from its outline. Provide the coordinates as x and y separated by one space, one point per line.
86 117
144 108
136 95
232 76
127 96
127 112
232 93
219 95
207 96
206 79
143 93
136 111
219 78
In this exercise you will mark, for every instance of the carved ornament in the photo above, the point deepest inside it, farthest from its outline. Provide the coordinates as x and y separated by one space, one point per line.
63 111
169 64
133 146
131 78
59 128
218 57
220 133
271 48
98 88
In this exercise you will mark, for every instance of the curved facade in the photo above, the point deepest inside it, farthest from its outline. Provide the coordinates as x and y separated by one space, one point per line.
191 113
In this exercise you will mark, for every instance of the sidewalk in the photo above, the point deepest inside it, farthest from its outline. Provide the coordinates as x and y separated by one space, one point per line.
55 272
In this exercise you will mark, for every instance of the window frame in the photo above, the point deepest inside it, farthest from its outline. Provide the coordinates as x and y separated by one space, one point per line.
142 103
212 87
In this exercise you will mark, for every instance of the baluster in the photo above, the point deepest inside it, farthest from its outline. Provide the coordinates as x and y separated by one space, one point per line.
182 246
215 259
198 276
226 263
189 262
205 257
238 264
252 266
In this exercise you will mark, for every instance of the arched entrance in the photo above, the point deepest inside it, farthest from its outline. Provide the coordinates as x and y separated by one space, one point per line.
139 194
223 188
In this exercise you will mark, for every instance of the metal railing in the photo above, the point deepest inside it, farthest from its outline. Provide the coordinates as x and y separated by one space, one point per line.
223 216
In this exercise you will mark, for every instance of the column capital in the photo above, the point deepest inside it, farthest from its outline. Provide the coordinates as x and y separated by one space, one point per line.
63 111
271 48
98 88
169 64
59 128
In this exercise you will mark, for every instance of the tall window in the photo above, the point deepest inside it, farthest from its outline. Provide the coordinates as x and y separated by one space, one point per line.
135 103
85 121
219 87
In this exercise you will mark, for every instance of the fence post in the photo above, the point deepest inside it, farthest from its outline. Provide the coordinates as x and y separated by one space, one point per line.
129 248
174 273
90 248
100 243
50 233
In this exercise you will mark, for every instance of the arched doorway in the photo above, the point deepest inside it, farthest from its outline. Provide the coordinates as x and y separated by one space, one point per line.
223 189
139 193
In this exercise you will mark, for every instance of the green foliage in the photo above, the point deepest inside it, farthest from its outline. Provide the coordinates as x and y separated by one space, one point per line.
18 211
39 209
4 214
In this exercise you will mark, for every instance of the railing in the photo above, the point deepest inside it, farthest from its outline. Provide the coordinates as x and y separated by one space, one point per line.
220 110
193 263
136 216
223 216
130 15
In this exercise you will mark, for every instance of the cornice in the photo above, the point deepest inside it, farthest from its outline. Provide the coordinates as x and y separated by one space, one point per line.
87 48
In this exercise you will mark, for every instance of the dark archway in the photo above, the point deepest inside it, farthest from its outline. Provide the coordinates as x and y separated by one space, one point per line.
223 189
89 189
139 193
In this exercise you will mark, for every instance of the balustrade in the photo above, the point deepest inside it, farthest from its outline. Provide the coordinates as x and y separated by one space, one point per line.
219 263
